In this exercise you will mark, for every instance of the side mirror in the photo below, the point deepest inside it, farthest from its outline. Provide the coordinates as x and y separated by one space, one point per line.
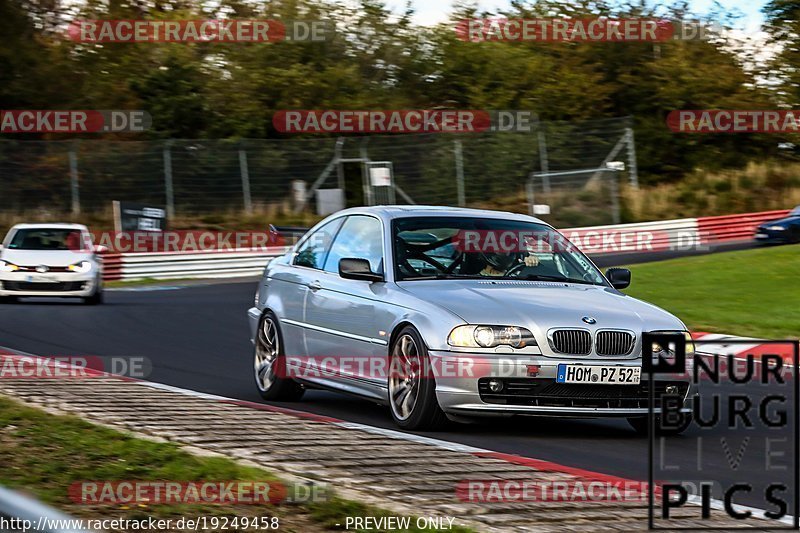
352 268
620 278
100 249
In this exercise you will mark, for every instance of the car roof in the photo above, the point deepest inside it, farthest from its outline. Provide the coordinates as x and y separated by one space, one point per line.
400 211
50 225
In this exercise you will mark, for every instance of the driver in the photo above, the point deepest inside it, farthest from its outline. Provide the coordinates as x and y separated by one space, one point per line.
500 263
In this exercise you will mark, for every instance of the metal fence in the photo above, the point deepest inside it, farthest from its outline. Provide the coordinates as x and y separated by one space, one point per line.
192 177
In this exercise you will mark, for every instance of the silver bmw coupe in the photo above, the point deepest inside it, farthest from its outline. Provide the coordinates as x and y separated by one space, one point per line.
444 313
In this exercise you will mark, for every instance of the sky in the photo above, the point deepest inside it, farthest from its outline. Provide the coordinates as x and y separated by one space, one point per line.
433 11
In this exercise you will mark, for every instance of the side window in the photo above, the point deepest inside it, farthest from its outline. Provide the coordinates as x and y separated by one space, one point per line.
312 252
360 237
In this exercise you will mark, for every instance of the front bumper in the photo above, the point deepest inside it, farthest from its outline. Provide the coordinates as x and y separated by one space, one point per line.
771 236
539 394
50 284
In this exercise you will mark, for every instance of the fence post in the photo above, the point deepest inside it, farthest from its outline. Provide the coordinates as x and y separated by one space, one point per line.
633 173
615 215
168 179
462 200
73 179
529 193
337 154
362 150
248 200
544 164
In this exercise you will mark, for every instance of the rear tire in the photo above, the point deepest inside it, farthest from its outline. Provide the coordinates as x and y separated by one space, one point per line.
412 386
640 425
269 363
8 299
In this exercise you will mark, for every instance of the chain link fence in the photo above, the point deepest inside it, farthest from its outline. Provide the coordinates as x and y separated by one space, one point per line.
196 177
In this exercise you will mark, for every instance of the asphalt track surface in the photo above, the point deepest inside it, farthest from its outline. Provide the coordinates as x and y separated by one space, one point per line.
197 337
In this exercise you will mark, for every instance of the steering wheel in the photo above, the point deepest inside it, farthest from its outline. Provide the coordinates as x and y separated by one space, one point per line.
516 269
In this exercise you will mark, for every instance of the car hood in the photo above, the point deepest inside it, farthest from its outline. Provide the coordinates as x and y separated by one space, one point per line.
540 306
43 257
781 222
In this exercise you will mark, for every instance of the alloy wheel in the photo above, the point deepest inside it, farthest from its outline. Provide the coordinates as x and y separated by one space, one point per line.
266 353
404 380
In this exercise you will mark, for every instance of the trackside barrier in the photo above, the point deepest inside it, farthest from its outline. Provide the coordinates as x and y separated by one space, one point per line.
637 237
112 267
678 234
734 227
210 264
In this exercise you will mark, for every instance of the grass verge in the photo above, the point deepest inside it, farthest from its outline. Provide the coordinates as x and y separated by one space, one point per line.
43 455
748 293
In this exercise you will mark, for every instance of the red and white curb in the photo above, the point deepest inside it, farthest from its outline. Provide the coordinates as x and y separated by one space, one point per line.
716 345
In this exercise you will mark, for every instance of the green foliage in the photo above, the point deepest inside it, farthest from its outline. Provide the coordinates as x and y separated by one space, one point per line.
378 60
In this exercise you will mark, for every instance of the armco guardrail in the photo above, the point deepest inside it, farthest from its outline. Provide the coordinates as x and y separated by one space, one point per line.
637 237
734 227
678 234
210 264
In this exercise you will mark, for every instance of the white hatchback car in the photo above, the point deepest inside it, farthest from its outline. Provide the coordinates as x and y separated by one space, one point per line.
52 260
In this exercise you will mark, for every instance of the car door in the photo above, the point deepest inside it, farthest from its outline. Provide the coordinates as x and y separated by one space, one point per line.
289 284
340 313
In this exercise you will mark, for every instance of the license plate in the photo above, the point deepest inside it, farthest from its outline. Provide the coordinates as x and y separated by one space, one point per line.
599 375
41 279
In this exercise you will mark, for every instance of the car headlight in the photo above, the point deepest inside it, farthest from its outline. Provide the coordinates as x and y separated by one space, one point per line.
776 228
80 267
690 348
490 336
5 266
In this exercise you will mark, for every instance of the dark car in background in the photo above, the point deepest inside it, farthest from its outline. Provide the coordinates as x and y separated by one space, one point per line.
784 230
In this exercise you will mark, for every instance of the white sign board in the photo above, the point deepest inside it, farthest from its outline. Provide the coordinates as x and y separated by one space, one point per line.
541 209
380 177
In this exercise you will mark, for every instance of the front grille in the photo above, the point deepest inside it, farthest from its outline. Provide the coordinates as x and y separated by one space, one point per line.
614 342
545 392
49 269
571 341
43 287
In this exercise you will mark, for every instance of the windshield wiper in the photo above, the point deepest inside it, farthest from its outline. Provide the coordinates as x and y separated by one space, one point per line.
539 277
446 276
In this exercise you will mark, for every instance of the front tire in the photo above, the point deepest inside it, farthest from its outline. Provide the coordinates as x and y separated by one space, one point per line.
96 298
8 299
412 386
269 363
640 425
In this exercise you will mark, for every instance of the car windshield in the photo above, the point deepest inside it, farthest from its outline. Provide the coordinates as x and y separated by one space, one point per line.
795 212
46 239
486 248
